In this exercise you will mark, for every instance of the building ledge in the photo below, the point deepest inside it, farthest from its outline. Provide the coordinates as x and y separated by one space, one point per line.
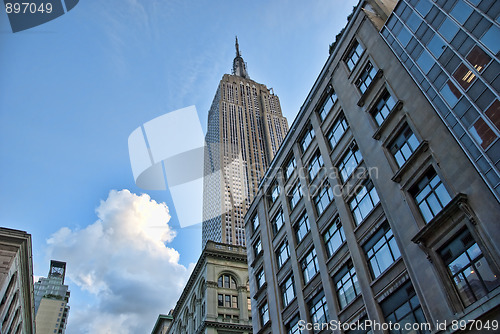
423 147
458 203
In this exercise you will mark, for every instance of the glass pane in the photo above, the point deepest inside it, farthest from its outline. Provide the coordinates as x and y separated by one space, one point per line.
484 270
436 46
448 29
491 39
461 11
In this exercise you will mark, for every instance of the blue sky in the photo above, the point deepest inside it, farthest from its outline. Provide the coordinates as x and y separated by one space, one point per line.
71 92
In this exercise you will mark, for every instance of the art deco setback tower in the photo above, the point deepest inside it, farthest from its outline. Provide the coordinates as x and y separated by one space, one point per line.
51 300
245 130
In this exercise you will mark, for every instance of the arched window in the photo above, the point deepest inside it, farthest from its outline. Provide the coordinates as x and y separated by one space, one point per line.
226 281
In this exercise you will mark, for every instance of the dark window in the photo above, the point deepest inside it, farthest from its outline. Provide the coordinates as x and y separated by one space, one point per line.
302 227
309 265
478 58
337 131
294 196
293 326
318 309
327 105
404 145
283 253
366 77
482 133
346 285
469 270
464 76
381 250
364 201
220 300
334 237
315 164
278 221
288 291
354 55
404 308
323 198
349 162
226 281
384 106
430 195
307 138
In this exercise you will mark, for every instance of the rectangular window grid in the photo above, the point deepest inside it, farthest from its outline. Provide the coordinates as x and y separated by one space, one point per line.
334 237
381 250
363 202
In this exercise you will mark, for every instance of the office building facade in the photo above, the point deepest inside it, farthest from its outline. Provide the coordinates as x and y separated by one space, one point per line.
245 129
216 296
17 310
51 300
373 209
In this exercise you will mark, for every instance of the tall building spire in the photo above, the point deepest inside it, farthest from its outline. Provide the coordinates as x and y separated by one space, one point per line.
239 66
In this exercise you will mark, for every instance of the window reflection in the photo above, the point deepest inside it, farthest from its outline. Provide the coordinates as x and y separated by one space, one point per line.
478 58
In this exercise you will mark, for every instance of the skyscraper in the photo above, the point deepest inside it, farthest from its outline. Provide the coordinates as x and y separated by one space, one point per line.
381 213
16 282
245 129
51 300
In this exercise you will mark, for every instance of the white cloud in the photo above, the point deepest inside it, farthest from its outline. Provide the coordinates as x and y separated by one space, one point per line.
122 262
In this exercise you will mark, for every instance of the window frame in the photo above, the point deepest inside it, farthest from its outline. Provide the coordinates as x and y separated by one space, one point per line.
283 248
373 247
305 262
316 163
368 192
274 221
404 143
345 276
287 285
366 77
307 138
345 162
339 123
326 191
329 236
381 104
354 50
303 221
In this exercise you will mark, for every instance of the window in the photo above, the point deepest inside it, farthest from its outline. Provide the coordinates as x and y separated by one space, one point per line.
450 93
249 304
295 195
349 162
471 274
283 253
227 301
318 309
491 38
404 145
354 55
293 326
288 291
364 201
327 105
381 250
461 11
257 247
255 222
315 165
448 29
346 285
337 131
264 314
261 278
226 281
366 77
478 58
290 167
234 301
278 222
274 192
323 198
403 307
430 195
309 265
384 106
307 138
302 227
334 237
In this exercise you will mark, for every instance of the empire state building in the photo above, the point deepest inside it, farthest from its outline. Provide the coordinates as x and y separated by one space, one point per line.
245 129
